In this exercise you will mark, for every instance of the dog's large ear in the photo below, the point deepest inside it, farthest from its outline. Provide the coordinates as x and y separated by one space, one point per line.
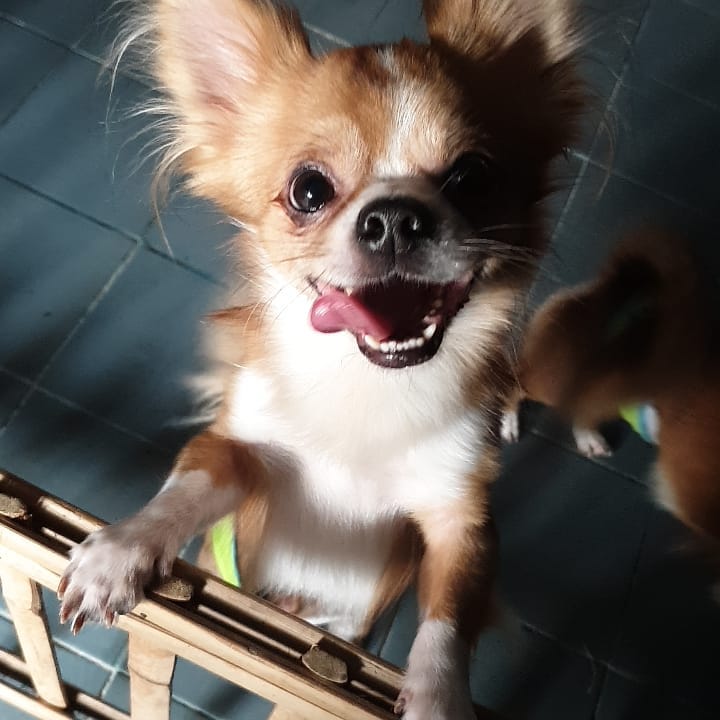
212 61
526 45
483 28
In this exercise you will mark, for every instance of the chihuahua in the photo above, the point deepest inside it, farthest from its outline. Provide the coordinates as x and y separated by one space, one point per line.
643 335
391 201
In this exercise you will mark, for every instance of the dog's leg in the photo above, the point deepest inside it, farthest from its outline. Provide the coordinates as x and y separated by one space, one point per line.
455 582
108 571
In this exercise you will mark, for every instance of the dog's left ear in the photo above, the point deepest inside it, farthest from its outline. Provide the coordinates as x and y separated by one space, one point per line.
214 61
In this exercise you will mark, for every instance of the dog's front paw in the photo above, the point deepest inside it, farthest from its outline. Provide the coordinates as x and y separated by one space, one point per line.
436 683
108 571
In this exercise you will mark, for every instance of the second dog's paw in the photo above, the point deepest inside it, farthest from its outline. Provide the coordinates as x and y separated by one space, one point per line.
591 443
510 426
108 571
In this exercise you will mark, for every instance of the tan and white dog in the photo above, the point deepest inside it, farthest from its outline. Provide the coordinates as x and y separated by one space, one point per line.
391 199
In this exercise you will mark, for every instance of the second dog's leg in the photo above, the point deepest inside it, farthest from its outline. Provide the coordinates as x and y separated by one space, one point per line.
108 571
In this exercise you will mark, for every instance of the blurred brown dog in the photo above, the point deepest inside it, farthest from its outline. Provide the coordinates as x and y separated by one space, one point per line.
642 333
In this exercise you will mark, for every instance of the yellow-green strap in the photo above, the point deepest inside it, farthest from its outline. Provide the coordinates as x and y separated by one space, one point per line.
643 419
631 415
222 536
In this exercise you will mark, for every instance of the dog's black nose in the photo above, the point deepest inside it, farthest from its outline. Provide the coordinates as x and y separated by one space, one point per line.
395 225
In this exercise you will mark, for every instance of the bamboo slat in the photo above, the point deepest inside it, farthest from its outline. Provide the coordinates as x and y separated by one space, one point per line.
27 612
236 636
14 667
151 669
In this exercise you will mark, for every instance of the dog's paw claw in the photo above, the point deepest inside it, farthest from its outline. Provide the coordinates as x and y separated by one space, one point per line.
399 707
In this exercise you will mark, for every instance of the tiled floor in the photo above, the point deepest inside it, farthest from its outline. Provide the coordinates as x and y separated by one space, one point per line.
602 616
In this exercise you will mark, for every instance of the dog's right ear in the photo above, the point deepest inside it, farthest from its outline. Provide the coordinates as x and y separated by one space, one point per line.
483 28
212 61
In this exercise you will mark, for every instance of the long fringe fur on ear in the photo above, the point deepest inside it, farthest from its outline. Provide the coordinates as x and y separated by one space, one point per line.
480 27
199 57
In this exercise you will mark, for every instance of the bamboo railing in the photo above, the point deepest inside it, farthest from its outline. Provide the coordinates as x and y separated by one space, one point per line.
306 672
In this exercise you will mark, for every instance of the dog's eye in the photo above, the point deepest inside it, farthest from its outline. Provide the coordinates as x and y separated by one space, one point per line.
472 176
310 191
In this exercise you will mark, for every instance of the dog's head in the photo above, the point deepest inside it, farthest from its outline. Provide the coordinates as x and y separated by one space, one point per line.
392 183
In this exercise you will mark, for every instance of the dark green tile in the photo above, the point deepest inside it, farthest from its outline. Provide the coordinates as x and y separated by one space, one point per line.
219 698
54 264
602 209
12 391
666 141
197 235
561 571
349 20
679 45
131 359
64 21
69 140
25 59
709 6
82 460
671 627
626 698
118 695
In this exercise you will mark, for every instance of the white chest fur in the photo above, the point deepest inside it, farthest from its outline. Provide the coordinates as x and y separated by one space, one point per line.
363 447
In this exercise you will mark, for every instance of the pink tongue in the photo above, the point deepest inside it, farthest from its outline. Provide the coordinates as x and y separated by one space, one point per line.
334 310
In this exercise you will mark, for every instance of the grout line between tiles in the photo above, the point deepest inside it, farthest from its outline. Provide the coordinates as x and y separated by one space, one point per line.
117 272
596 461
388 627
700 8
108 683
327 35
709 104
69 208
585 157
638 183
32 29
39 389
134 237
623 611
40 81
84 655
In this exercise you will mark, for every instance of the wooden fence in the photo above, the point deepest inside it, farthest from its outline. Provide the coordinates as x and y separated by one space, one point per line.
304 671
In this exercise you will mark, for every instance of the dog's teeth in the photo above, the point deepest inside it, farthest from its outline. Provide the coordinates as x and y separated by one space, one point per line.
429 331
370 341
349 290
388 346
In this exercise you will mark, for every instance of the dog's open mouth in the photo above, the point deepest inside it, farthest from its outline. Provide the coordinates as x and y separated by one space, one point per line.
397 323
